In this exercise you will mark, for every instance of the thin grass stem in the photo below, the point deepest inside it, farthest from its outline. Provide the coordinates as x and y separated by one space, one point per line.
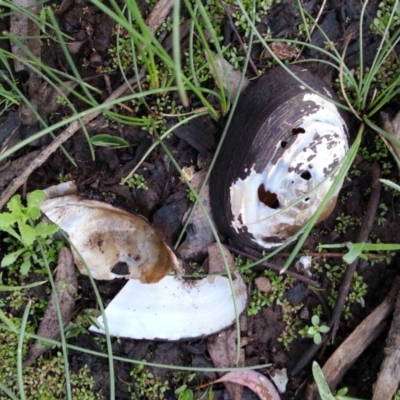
20 375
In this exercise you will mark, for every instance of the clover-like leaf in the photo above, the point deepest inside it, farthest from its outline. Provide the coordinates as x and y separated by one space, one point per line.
324 329
317 338
315 320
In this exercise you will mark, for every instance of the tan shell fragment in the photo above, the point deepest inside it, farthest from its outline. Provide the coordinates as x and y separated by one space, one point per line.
105 236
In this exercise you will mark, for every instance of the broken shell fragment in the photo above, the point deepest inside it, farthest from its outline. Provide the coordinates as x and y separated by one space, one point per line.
112 242
175 309
278 160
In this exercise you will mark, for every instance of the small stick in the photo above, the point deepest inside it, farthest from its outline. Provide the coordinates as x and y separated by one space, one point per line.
389 374
274 267
362 237
158 14
365 333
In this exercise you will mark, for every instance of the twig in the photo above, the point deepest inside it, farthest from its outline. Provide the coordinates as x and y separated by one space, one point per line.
274 267
158 14
365 333
389 374
362 237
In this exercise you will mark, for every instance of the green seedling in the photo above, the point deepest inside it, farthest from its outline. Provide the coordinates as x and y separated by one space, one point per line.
344 222
20 224
323 387
184 393
315 330
136 182
147 385
190 195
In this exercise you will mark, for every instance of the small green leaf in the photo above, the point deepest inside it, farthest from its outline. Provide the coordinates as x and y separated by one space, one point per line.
34 200
28 234
317 338
15 205
323 387
105 140
25 267
7 321
355 249
180 389
312 330
186 395
7 220
43 229
324 329
12 232
315 320
10 258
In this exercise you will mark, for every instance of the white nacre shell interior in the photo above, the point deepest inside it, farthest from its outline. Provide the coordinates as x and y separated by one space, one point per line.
300 178
174 309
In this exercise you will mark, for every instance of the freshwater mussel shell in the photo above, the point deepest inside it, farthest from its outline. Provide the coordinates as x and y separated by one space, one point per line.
113 243
269 135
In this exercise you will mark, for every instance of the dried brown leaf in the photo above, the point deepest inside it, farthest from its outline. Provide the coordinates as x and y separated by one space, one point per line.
26 30
199 233
255 381
222 350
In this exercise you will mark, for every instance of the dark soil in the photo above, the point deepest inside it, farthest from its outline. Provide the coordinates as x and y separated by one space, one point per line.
165 202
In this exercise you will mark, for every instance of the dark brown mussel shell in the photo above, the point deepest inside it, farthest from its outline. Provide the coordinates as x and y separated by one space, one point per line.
279 158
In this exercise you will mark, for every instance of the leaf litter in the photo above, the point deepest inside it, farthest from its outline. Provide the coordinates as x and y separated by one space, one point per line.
66 285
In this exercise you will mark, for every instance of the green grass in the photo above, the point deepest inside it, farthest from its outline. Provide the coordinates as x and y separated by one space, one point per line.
135 50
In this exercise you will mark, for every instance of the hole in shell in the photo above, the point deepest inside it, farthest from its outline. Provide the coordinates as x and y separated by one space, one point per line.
306 175
307 199
296 131
120 268
283 144
268 198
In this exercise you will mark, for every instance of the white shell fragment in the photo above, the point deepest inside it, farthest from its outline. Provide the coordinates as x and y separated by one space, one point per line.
299 179
113 242
280 378
174 309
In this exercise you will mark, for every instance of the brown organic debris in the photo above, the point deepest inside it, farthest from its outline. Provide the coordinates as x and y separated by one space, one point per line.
389 374
66 288
348 352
